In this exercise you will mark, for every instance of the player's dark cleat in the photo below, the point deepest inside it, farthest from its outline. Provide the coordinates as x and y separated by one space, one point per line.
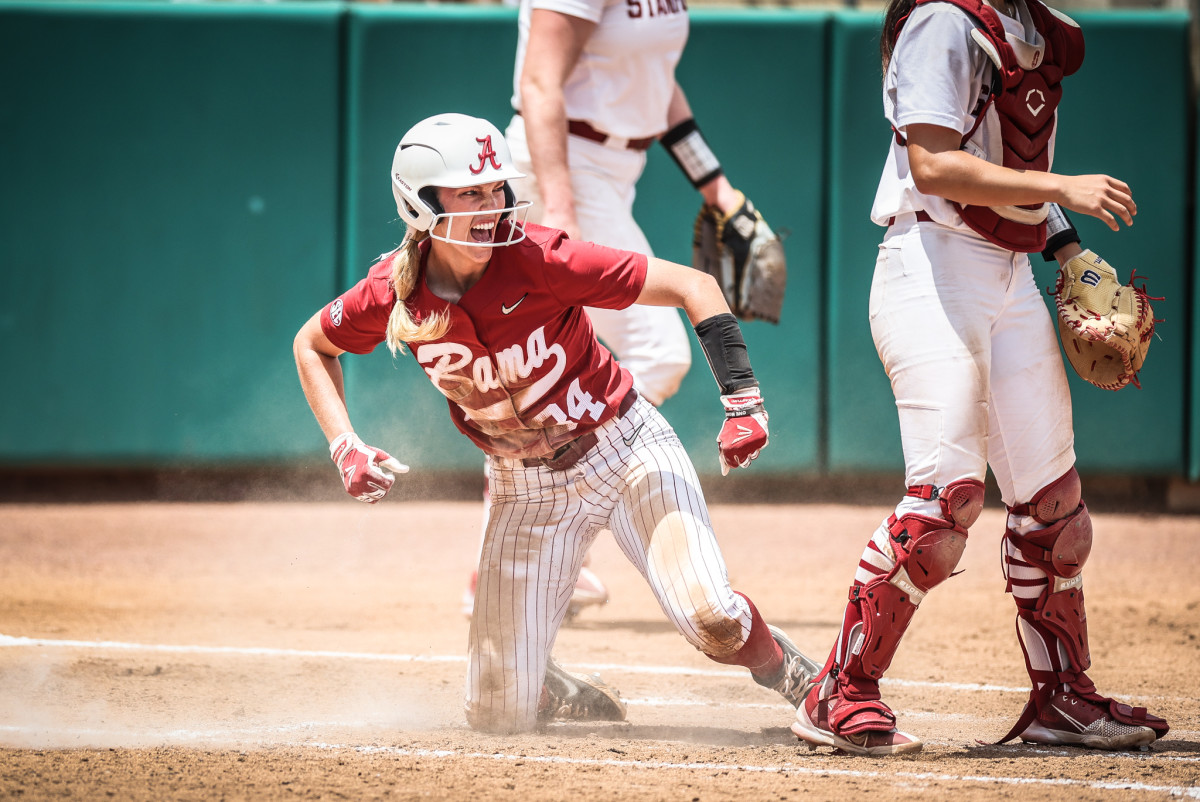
797 675
1070 720
812 725
578 697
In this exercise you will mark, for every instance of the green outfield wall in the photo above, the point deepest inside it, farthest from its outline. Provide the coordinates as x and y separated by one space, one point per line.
182 186
169 194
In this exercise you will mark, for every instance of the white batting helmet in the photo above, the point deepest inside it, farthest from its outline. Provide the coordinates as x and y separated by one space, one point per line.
452 150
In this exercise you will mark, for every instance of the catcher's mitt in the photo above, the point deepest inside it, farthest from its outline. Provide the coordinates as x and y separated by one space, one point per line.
746 258
1105 325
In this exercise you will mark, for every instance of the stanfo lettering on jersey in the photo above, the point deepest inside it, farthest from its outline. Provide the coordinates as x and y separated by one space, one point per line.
456 375
654 8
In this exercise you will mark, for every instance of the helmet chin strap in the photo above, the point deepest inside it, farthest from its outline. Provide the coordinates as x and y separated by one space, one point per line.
515 215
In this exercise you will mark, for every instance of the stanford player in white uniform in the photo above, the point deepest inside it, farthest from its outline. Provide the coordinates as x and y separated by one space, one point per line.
593 89
492 311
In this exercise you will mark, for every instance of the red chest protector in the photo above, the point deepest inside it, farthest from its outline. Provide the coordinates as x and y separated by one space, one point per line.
1025 99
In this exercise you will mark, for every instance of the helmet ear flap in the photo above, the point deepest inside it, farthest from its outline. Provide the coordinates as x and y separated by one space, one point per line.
510 199
429 195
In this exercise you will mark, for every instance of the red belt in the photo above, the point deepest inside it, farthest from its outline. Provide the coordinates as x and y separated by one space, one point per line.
922 217
580 128
567 455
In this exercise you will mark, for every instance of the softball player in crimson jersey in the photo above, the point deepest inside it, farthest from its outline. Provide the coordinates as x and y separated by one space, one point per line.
971 90
492 310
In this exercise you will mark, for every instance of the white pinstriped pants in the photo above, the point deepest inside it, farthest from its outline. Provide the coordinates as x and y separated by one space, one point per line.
639 482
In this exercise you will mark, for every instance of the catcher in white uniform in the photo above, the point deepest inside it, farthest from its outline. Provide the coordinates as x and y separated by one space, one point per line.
492 310
594 88
959 323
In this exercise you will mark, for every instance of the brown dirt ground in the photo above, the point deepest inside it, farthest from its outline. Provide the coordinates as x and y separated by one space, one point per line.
198 651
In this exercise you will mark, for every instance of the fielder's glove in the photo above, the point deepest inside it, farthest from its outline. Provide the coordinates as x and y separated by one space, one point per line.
744 433
1105 325
746 258
367 472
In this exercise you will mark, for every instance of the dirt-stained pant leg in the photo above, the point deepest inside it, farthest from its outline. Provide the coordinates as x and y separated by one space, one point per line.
638 481
534 543
661 523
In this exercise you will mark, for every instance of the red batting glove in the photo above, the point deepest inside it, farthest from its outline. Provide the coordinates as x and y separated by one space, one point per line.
367 472
745 431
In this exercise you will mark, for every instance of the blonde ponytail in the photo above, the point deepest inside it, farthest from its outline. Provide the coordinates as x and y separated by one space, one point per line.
401 328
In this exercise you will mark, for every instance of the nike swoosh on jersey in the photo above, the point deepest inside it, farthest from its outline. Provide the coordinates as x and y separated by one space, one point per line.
629 440
508 309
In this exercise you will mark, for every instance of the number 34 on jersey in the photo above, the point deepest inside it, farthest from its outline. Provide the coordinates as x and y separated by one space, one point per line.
453 372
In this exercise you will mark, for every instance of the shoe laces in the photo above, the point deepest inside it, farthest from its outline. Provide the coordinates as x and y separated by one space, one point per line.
794 679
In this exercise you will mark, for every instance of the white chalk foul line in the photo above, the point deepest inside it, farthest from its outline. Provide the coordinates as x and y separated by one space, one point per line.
8 640
825 771
13 641
890 777
185 735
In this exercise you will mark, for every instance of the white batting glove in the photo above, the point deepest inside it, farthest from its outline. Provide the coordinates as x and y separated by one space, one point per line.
367 472
744 434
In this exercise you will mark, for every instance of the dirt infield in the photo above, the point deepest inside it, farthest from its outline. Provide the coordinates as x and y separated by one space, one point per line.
316 651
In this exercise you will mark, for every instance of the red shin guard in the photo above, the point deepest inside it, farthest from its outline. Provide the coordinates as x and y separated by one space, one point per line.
923 552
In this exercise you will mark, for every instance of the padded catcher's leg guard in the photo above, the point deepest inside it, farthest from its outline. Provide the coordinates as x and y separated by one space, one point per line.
1063 705
908 556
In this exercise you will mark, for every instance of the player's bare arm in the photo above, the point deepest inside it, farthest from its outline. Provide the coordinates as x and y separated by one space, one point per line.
671 284
321 377
940 167
367 472
555 42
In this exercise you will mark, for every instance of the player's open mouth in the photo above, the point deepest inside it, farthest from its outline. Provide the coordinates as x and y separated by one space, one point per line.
483 231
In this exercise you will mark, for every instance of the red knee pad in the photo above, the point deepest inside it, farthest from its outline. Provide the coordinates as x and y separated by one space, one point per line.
1061 548
1055 501
961 500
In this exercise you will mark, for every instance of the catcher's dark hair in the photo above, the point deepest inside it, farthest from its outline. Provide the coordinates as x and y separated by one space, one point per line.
896 11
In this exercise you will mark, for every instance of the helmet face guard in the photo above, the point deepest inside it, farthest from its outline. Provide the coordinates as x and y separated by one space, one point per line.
454 151
514 215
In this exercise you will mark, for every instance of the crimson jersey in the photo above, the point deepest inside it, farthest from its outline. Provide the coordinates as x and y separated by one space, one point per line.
520 366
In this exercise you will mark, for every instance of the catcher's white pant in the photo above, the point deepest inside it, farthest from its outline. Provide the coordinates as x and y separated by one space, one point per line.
973 358
650 341
639 482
